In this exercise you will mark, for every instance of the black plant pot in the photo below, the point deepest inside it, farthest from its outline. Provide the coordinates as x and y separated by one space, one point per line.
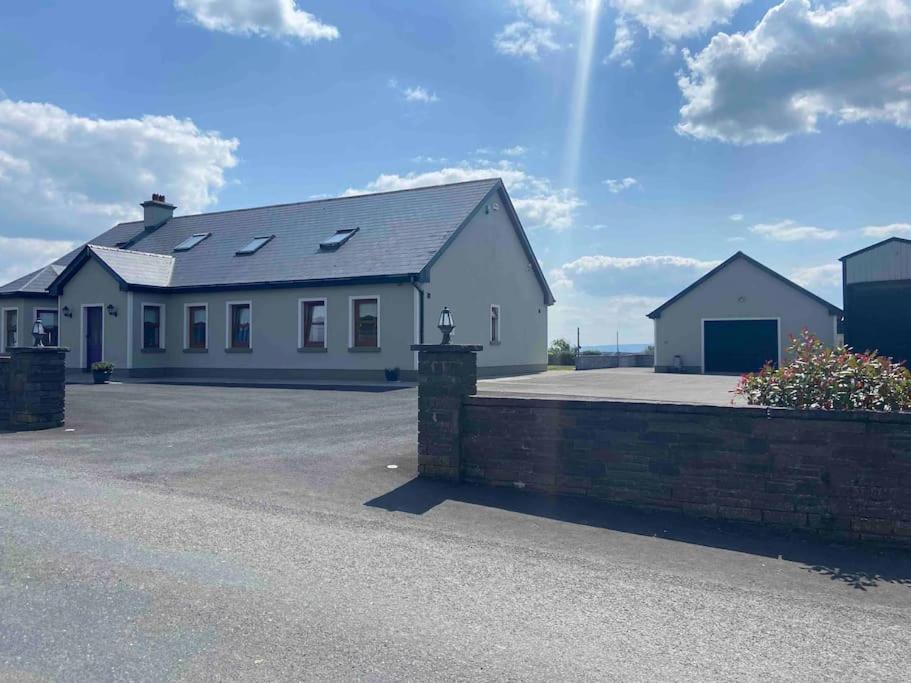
101 376
392 374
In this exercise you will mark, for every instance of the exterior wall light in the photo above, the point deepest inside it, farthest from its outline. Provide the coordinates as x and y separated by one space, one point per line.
67 312
446 326
112 310
38 333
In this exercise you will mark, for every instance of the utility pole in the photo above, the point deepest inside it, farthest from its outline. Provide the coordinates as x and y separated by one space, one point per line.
618 342
578 344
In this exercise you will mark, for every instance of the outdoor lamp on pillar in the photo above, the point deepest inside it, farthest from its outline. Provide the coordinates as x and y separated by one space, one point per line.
38 333
112 310
446 326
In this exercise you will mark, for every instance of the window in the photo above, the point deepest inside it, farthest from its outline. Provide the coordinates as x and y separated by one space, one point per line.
254 245
10 328
366 323
192 241
151 327
196 333
338 239
48 318
313 324
240 332
494 324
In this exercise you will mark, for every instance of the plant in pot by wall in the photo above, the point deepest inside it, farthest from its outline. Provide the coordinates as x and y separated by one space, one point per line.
101 371
392 374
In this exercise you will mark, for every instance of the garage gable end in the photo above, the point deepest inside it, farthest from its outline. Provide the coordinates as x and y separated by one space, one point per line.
740 257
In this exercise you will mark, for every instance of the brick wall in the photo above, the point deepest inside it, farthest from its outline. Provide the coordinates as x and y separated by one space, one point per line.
845 475
4 392
35 380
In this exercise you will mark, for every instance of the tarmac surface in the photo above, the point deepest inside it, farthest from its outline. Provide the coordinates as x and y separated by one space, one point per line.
620 384
210 533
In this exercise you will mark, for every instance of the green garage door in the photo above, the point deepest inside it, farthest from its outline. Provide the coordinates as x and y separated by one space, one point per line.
739 345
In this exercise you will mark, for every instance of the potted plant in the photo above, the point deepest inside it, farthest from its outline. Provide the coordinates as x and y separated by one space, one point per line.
101 371
392 374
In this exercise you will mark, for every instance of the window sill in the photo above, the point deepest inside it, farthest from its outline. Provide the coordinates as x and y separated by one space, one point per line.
312 349
247 350
364 349
196 350
495 343
153 351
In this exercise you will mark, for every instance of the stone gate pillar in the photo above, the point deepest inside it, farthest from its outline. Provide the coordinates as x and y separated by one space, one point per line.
37 387
447 373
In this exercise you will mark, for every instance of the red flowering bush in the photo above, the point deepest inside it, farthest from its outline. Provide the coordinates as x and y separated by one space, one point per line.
829 379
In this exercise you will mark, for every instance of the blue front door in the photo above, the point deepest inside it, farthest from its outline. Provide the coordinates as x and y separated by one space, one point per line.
94 330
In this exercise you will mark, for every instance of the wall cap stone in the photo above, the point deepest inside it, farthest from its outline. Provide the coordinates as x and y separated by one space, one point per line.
447 348
757 412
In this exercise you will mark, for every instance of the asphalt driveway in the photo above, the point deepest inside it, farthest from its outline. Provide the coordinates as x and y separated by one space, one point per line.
621 384
191 533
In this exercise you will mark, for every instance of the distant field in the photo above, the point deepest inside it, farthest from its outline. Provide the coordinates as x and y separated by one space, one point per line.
608 348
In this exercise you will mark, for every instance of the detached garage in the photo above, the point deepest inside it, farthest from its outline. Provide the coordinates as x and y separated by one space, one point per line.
736 318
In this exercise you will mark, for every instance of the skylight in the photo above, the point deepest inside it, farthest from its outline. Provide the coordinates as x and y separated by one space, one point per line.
338 239
254 245
192 241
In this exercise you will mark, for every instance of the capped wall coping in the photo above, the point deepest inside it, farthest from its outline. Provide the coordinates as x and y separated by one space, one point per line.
756 412
447 348
18 350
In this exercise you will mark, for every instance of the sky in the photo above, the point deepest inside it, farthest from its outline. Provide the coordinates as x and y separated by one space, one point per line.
642 141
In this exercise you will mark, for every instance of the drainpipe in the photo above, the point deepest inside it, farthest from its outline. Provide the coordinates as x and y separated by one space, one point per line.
414 283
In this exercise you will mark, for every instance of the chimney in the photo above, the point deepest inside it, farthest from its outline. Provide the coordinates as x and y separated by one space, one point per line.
156 212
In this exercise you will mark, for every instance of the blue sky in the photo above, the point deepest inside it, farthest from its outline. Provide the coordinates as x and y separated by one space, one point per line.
777 128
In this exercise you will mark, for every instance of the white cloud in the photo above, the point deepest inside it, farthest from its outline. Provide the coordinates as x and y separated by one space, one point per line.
617 185
420 94
881 230
623 42
421 159
538 203
68 174
672 20
415 93
269 18
540 11
850 61
600 318
827 275
736 217
522 39
790 231
516 151
589 264
21 255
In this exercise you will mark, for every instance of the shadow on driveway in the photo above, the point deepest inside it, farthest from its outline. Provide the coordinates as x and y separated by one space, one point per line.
860 567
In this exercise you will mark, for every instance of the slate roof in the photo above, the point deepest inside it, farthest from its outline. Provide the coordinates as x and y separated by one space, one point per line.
136 267
400 234
833 309
36 282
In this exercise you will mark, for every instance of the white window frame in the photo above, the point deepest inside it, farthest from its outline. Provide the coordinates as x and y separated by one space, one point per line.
300 322
499 339
35 310
186 324
162 328
760 317
83 349
228 305
379 320
3 326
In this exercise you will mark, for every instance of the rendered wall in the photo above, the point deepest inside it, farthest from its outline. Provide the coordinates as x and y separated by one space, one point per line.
486 265
679 329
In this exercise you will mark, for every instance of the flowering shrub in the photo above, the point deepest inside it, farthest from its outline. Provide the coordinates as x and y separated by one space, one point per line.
829 379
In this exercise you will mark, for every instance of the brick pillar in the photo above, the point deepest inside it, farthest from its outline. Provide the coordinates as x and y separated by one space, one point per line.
446 375
37 387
